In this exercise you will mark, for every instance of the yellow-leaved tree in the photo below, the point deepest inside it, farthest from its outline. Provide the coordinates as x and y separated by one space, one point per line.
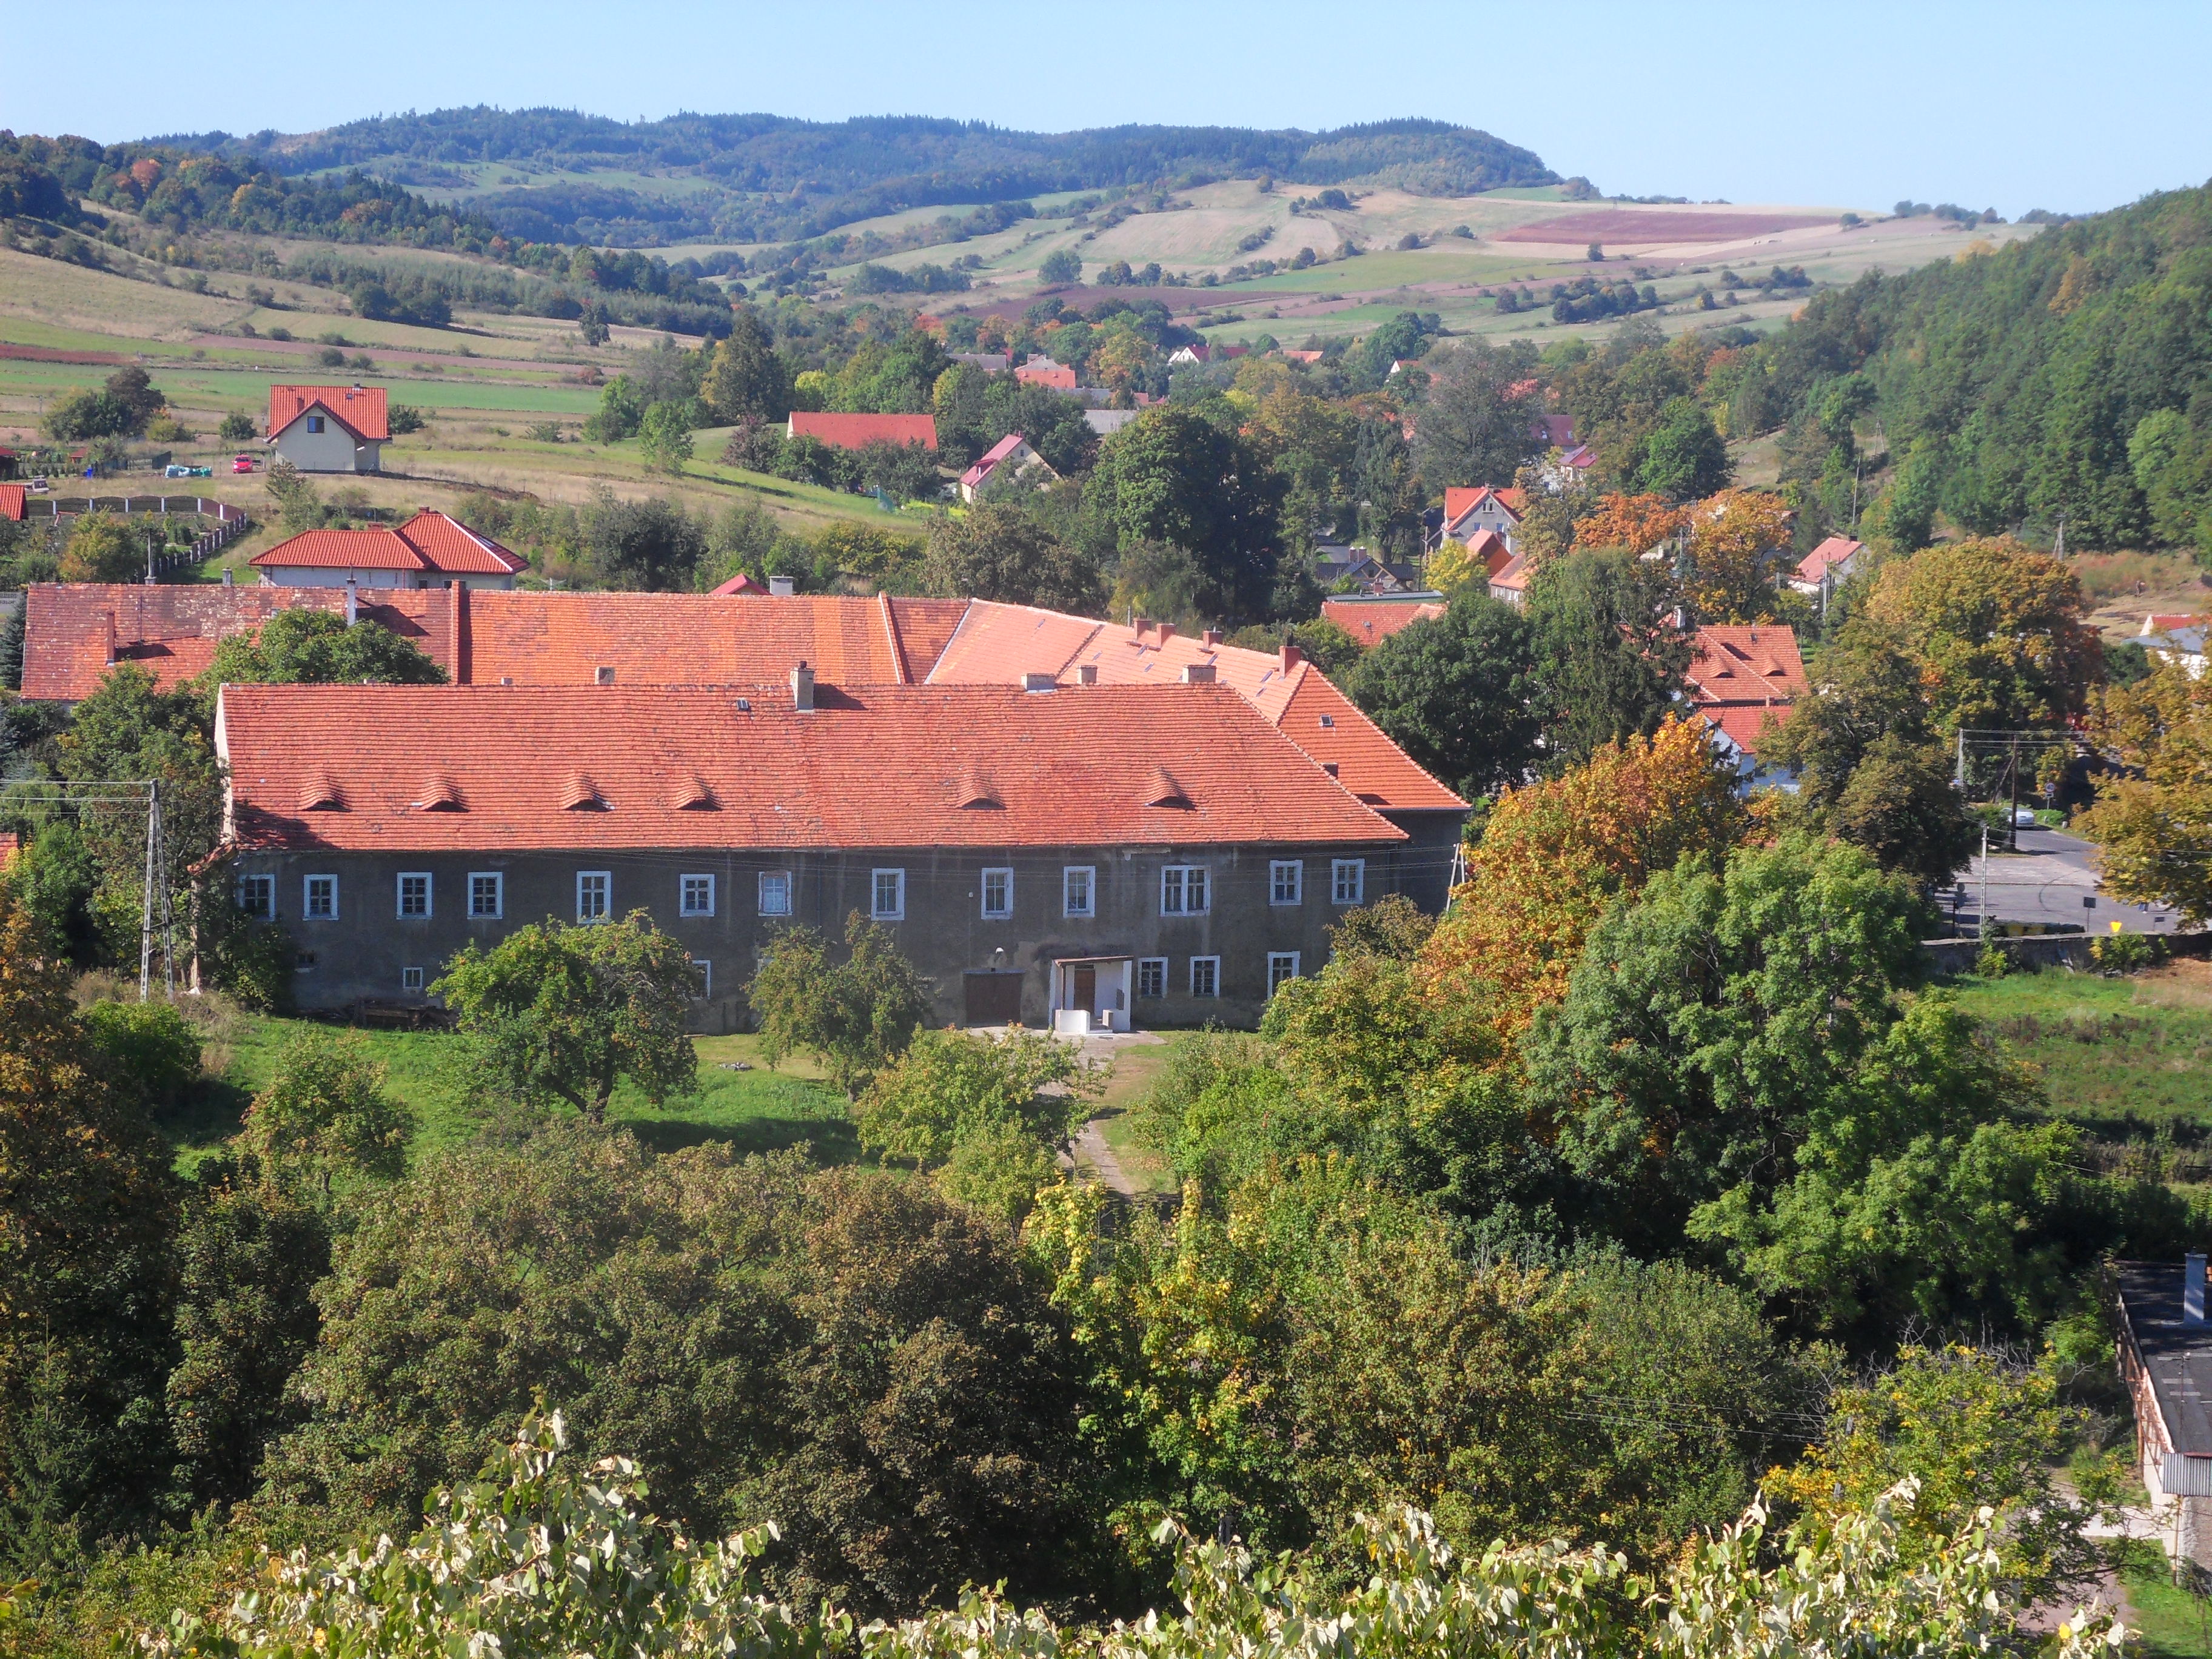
2154 824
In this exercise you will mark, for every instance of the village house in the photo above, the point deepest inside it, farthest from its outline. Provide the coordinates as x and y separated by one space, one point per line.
1834 560
1041 370
2178 639
1468 513
1082 855
858 431
1370 618
429 550
75 634
2165 1350
329 428
1010 457
1742 683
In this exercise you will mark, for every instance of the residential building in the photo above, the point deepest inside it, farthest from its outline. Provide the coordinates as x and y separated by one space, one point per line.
1552 432
1041 370
1468 513
1335 564
494 639
329 428
1083 854
2165 1352
2178 640
12 507
1300 356
1370 618
429 550
1010 457
740 583
1509 583
858 431
991 363
1107 422
1834 560
1742 681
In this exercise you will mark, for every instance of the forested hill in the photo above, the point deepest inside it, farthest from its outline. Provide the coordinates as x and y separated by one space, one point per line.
2066 377
776 179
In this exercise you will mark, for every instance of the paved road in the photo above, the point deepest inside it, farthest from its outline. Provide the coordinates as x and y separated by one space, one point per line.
2053 878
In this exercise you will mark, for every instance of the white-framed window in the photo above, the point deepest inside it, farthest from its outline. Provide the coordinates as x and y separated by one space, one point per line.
997 895
705 970
593 894
411 979
1206 976
1151 976
776 892
257 896
487 895
1078 890
1347 880
320 899
695 894
1184 889
887 895
1282 966
1287 881
414 893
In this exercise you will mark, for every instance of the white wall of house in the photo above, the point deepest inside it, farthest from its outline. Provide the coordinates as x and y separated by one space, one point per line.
331 450
324 576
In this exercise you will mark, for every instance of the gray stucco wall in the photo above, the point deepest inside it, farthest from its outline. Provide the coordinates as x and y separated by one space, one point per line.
363 951
331 450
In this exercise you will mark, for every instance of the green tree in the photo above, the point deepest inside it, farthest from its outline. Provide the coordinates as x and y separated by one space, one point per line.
1901 805
1472 424
563 1013
1171 477
1000 552
1684 456
665 437
303 647
652 546
1609 653
620 414
1456 692
236 428
324 1112
746 380
854 1016
103 548
1061 265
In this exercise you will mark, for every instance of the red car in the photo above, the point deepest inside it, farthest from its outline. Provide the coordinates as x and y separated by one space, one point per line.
242 463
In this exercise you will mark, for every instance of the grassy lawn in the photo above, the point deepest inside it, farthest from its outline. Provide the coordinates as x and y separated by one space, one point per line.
2167 1619
2119 1056
753 1110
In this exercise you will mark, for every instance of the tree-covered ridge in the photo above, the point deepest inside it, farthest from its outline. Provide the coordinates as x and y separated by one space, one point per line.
2068 377
780 178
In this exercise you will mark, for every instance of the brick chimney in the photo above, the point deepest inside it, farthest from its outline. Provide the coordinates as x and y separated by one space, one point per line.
1291 656
458 646
802 689
1166 632
1211 636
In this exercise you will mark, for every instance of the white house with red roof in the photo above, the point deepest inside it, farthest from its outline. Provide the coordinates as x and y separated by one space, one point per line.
429 550
1010 457
1469 511
1834 560
329 428
2180 640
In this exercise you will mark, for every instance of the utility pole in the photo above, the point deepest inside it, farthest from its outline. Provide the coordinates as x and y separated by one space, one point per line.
1982 904
156 898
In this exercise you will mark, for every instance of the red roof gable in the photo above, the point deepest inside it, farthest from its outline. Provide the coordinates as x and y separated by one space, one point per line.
429 542
11 501
359 409
870 767
1459 502
740 583
1813 567
856 431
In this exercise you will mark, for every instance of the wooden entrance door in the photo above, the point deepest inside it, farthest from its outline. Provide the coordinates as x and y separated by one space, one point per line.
1086 988
993 998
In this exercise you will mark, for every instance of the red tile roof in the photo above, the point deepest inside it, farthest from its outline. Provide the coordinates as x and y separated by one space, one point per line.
73 632
1813 567
1370 620
872 766
11 501
740 583
1044 371
855 431
1742 677
359 409
428 542
990 458
998 644
1459 502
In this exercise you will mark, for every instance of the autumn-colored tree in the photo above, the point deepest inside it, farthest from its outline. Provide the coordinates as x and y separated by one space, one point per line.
1995 630
1555 855
2154 824
1735 539
1451 567
102 549
1638 523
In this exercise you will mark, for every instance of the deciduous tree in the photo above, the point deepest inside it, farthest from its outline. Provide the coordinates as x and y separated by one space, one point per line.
305 647
854 1016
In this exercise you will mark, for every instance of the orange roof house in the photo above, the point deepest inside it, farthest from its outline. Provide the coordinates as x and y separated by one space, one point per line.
1831 561
429 550
11 502
1044 371
329 428
1742 681
1468 511
858 431
1372 620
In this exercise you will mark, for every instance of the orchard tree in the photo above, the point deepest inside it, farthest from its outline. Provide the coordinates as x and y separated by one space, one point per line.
103 548
854 1016
565 1011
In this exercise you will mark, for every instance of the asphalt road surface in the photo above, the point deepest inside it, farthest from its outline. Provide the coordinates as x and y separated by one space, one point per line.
2051 878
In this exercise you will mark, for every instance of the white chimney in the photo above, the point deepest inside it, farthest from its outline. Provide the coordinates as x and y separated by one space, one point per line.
2192 1289
353 601
802 689
1035 681
1198 673
779 587
1087 674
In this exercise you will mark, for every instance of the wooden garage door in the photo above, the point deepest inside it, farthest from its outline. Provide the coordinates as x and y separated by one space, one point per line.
994 999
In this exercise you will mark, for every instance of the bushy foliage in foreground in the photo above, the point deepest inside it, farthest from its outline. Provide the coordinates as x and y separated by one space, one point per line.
543 1557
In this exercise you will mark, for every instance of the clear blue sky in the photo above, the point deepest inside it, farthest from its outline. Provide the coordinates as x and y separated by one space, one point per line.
2009 103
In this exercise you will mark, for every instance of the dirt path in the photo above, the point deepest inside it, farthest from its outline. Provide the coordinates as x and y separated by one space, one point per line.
1092 1152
